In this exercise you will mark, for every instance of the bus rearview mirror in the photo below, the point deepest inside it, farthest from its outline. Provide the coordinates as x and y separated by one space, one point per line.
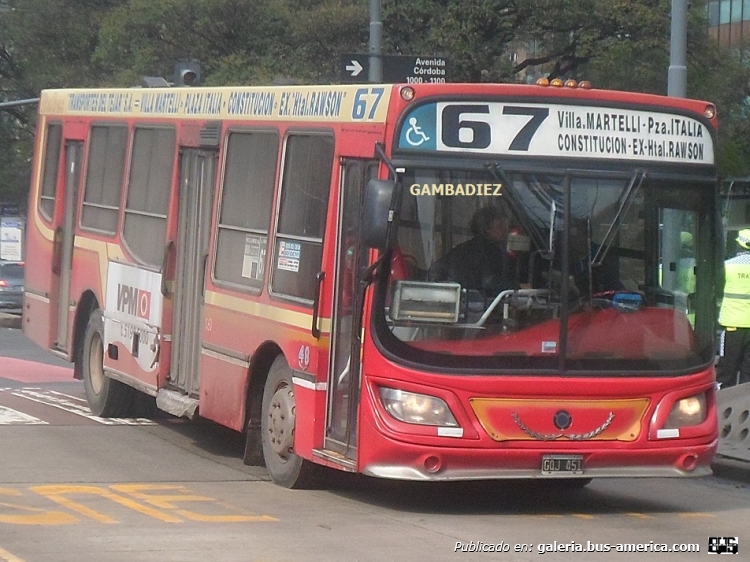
376 215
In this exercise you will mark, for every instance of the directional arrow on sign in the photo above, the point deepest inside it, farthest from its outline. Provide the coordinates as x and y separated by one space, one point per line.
354 68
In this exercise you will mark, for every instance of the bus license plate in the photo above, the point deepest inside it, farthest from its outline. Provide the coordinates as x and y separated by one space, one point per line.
562 464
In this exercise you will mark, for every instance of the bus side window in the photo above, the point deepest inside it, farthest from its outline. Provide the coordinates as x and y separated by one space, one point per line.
246 200
306 185
106 163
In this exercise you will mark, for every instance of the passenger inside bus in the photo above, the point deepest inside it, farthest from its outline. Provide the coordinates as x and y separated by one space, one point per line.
483 262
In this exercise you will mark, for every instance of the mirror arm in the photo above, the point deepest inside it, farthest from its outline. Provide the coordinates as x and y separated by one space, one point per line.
380 153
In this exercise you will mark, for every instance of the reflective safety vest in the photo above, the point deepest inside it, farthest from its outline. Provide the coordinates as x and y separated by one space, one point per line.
686 275
735 307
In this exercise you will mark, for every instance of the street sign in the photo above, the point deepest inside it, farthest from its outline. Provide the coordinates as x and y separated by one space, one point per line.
397 69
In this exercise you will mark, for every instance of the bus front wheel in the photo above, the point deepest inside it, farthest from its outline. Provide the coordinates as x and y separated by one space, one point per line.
106 397
277 431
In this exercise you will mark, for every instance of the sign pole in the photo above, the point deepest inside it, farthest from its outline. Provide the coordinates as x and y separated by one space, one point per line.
676 87
376 40
677 75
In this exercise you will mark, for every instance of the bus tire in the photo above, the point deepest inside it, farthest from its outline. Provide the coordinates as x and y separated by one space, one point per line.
277 431
106 397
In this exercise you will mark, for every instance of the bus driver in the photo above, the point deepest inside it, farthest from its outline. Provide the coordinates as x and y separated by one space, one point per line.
481 263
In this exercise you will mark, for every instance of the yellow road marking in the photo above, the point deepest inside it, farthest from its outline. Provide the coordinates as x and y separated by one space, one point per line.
6 556
35 517
55 493
641 515
160 501
39 516
183 495
696 515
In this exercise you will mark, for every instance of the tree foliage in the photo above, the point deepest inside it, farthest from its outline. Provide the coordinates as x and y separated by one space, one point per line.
43 44
621 44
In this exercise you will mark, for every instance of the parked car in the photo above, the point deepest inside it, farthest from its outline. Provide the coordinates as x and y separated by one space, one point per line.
11 284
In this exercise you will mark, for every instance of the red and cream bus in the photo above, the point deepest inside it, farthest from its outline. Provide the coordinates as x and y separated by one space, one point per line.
294 263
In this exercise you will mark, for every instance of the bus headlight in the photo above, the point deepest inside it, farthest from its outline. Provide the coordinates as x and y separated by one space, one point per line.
420 409
686 412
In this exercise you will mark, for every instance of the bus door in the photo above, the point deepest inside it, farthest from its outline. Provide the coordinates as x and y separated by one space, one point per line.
197 179
343 380
63 243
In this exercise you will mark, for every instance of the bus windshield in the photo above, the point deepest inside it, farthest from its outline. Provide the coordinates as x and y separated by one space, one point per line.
579 271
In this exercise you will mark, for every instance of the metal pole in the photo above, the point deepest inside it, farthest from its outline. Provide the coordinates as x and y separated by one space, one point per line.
376 39
18 102
677 76
676 87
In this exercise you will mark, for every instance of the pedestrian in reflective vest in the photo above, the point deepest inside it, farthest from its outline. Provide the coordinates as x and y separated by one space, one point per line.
734 351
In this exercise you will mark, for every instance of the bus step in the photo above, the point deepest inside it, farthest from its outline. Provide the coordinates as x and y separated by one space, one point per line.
176 403
337 458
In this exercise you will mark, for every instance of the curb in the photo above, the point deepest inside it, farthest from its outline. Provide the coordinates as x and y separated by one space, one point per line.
10 320
732 469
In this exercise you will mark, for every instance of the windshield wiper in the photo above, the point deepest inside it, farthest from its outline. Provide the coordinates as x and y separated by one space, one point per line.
527 225
625 202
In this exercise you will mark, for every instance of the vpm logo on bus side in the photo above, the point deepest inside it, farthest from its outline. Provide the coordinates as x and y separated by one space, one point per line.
133 301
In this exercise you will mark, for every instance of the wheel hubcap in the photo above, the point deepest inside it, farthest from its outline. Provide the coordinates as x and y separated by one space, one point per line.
281 422
96 364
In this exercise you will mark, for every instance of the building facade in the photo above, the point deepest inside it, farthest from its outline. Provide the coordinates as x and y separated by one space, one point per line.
729 21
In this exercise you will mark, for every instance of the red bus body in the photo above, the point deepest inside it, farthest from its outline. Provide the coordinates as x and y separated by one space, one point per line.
192 305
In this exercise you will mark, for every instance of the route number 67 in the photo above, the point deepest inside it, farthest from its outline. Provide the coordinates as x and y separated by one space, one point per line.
363 101
458 132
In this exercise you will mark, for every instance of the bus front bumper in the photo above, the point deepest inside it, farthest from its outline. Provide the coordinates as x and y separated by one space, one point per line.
435 464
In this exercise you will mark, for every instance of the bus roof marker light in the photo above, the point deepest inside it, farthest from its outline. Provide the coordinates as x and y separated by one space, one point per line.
584 84
542 82
407 93
710 111
570 83
556 82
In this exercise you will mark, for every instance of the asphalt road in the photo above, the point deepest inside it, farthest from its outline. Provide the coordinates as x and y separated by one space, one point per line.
15 345
77 488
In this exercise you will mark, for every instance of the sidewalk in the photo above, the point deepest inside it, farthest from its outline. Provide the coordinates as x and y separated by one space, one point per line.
8 320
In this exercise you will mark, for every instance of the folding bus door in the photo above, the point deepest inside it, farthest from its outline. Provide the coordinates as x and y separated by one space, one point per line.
343 373
63 243
197 175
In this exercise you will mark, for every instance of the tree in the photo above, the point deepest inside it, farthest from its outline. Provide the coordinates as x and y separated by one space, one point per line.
237 41
43 44
475 35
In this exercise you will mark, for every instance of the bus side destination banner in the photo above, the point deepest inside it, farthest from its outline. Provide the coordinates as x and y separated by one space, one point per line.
315 103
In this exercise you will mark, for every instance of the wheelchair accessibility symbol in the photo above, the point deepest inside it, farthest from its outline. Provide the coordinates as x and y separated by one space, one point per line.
415 136
419 129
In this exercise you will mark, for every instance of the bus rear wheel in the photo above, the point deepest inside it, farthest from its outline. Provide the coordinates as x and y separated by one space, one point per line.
106 397
277 431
